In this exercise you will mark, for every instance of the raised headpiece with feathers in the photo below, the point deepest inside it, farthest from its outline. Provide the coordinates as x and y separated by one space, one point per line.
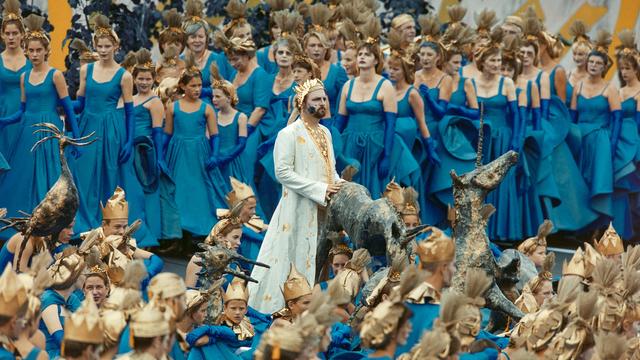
430 28
627 45
485 20
320 14
456 14
579 31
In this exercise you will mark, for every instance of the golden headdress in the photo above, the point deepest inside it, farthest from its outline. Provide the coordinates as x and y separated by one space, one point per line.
577 336
13 295
304 89
485 20
601 44
173 31
320 14
456 14
398 264
69 264
224 226
129 61
511 56
468 317
194 15
405 200
494 44
578 32
514 20
349 278
436 344
95 266
236 10
532 29
400 20
607 280
349 31
456 40
117 206
437 247
170 66
526 301
34 24
627 47
85 53
84 325
384 319
296 285
529 246
235 44
609 346
430 29
143 61
36 280
355 11
166 285
371 31
610 243
11 12
101 27
239 192
237 290
339 246
149 322
399 50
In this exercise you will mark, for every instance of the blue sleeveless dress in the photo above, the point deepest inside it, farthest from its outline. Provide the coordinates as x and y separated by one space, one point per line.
198 192
407 128
333 83
163 218
264 62
573 212
33 173
6 256
51 298
596 162
363 140
228 135
9 104
224 69
97 172
506 223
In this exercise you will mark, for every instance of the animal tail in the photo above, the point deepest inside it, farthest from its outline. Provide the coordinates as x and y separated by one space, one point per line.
53 132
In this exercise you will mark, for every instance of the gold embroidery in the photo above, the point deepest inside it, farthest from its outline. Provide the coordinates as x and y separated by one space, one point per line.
319 138
301 140
286 227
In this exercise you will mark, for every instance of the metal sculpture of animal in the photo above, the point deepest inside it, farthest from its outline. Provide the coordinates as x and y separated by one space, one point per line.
216 261
374 225
469 227
59 206
507 278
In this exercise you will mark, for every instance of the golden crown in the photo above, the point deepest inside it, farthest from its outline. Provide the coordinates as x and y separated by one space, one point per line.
380 322
610 243
529 246
296 285
236 290
38 34
85 324
576 266
239 192
149 322
116 207
195 298
341 248
437 247
219 228
393 192
166 285
304 89
13 294
106 31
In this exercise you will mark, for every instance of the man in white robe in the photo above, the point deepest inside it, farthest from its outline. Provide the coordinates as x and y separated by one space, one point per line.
305 166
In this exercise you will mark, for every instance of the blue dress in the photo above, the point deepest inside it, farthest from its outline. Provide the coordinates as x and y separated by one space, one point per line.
33 173
228 135
9 104
506 223
198 192
333 83
97 172
363 140
407 128
596 162
224 70
264 62
51 298
6 256
161 209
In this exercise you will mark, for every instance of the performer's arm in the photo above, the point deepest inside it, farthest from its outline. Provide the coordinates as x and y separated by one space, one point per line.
284 157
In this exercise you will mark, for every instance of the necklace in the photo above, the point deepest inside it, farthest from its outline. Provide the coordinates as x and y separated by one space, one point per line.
319 138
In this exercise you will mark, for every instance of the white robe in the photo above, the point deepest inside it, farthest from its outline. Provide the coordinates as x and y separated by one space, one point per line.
293 232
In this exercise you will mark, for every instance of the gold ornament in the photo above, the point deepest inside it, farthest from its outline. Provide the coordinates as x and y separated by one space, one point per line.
116 207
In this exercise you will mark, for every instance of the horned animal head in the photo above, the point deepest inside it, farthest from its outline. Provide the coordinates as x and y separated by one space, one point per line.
489 176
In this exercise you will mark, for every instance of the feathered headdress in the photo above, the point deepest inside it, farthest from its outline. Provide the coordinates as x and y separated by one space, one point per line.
143 60
194 15
235 44
85 53
291 25
456 39
430 28
236 11
11 12
607 280
627 45
456 13
351 34
529 246
102 28
35 31
578 32
485 20
173 31
398 51
320 14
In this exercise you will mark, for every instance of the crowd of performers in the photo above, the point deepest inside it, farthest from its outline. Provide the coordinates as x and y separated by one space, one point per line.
186 146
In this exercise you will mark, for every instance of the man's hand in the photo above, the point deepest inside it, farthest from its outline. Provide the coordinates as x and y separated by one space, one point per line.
332 189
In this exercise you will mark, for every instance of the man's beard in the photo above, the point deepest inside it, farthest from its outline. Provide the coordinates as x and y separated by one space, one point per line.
317 112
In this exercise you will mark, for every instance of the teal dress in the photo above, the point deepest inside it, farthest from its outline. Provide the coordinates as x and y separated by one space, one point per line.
333 83
363 140
228 135
596 162
163 218
264 62
506 223
224 70
573 212
51 298
9 104
97 172
198 192
33 173
407 128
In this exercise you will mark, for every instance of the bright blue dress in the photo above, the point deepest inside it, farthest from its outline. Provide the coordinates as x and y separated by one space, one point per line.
6 355
198 192
596 162
264 62
97 172
407 128
6 256
51 298
333 83
161 209
33 173
224 70
506 223
228 135
363 140
9 104
574 211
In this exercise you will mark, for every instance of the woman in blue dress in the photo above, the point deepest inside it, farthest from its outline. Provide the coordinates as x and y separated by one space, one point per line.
500 110
108 162
580 48
13 63
43 88
596 108
266 56
627 187
151 169
193 161
367 116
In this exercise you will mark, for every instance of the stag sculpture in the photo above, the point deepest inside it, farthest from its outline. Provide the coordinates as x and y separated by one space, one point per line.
469 227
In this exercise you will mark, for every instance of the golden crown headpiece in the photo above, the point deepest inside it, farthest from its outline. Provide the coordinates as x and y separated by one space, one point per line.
341 248
149 322
166 285
67 267
296 285
221 227
529 246
38 34
117 206
380 322
575 266
106 31
13 295
149 65
239 192
437 247
11 12
610 243
237 290
304 89
237 44
84 325
195 298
